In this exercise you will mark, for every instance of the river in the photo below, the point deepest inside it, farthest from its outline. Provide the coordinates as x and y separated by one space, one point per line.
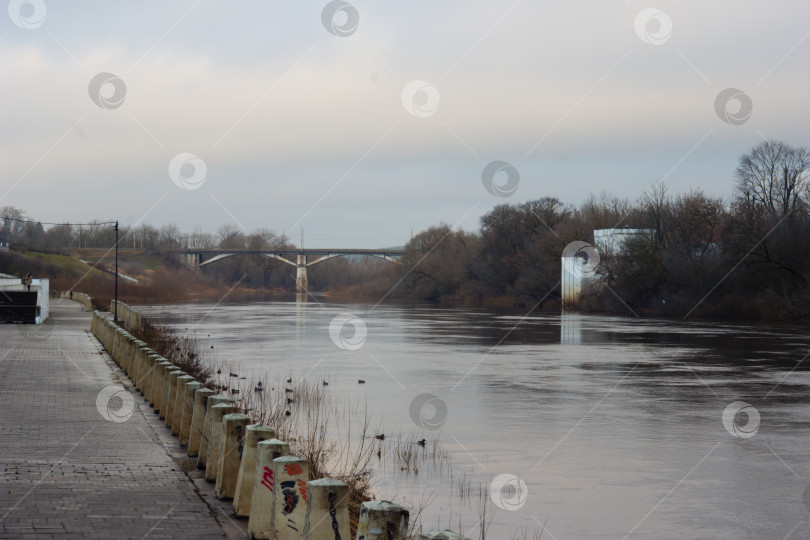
594 426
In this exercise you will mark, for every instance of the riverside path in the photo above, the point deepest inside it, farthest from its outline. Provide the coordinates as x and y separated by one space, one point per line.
69 472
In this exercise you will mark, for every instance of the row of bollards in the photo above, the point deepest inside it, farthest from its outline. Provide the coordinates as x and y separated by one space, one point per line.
83 299
245 461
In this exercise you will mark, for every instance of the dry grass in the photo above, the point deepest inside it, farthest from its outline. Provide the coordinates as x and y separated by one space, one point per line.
408 451
182 351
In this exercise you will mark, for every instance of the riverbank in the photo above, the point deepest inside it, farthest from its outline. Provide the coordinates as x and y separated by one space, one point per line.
161 280
67 472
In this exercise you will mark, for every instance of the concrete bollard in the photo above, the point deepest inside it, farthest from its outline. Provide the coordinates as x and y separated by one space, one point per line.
160 383
205 439
150 363
172 394
127 344
118 338
179 400
113 332
291 474
123 352
104 330
115 351
139 353
328 510
260 524
153 359
215 440
144 352
256 433
234 430
134 362
118 344
382 520
143 377
188 410
106 336
441 535
155 384
167 384
123 338
197 420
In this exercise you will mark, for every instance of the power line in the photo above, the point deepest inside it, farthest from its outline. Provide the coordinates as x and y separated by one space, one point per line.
49 223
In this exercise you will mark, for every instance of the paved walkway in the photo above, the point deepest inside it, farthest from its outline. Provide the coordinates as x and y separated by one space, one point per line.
69 473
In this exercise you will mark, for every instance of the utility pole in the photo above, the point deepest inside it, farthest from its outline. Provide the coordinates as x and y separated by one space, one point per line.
115 313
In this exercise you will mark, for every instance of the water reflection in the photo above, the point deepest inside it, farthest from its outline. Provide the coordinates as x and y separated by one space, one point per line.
300 314
570 329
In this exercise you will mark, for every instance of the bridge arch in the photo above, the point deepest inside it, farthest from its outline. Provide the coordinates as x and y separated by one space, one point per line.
195 258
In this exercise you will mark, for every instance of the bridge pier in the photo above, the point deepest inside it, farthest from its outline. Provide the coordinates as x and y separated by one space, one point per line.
301 281
193 261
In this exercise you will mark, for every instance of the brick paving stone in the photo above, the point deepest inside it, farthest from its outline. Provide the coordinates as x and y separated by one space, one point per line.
67 472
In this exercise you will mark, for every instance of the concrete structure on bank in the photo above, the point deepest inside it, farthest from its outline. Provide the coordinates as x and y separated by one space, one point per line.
614 241
580 260
23 302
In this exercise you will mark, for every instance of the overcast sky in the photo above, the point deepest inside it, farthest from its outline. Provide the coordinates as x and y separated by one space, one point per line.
306 113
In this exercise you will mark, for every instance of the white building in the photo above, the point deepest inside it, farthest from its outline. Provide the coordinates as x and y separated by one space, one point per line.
613 241
580 260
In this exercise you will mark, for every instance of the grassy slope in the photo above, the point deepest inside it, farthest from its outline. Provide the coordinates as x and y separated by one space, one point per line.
138 260
158 281
72 267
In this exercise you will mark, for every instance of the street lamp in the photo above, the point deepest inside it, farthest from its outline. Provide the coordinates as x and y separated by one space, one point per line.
115 312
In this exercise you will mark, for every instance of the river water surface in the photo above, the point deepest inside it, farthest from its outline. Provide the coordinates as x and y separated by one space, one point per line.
596 426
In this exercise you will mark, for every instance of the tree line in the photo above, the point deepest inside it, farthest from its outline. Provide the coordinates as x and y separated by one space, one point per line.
748 257
744 257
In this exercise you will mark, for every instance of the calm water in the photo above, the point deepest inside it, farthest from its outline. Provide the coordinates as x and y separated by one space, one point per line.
614 426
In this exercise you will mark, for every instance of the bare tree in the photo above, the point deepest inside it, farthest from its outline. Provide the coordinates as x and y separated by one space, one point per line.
231 237
262 239
11 227
656 203
697 221
773 176
200 240
170 237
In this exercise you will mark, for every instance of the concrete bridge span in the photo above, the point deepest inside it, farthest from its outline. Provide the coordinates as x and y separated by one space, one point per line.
195 259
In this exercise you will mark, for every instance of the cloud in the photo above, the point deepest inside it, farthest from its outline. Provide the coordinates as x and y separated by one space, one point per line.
280 110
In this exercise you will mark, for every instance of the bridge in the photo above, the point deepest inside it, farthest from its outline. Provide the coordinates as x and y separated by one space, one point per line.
197 258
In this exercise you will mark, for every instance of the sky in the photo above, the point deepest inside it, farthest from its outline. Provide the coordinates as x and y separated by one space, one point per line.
364 122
